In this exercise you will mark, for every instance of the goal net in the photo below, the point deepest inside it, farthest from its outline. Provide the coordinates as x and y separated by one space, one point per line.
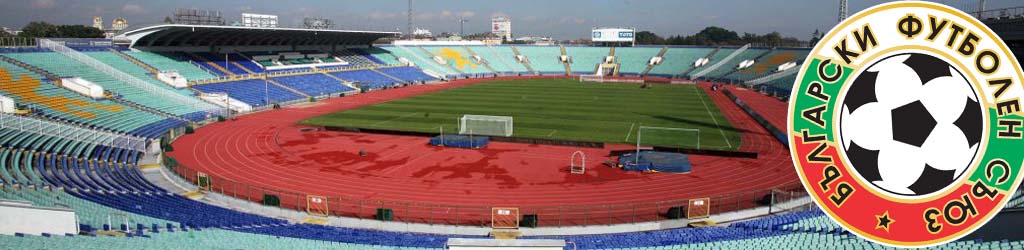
591 78
601 78
668 137
485 125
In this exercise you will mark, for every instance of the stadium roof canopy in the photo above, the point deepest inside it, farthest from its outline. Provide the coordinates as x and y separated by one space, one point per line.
206 35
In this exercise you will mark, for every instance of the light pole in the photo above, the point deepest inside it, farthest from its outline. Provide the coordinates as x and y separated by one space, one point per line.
462 23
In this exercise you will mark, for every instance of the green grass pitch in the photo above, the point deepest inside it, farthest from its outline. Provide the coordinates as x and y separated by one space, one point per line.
562 109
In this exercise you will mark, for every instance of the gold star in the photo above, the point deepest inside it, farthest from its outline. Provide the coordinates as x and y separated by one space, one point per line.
884 221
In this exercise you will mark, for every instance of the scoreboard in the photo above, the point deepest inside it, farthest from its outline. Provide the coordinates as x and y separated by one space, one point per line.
612 35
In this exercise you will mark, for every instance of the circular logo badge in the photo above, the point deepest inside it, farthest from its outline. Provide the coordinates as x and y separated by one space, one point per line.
905 124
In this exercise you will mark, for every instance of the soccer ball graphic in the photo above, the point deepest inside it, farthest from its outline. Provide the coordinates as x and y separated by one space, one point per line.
911 124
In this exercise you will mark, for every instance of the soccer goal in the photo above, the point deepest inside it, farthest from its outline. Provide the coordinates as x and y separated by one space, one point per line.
485 125
591 78
602 79
668 137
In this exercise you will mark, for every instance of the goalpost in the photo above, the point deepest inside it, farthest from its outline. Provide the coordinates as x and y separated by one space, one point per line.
486 125
664 136
603 79
591 78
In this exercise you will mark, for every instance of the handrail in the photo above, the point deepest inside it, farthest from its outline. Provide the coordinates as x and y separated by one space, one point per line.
195 103
75 133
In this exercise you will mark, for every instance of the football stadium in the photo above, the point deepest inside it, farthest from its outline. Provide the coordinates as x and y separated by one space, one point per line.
207 132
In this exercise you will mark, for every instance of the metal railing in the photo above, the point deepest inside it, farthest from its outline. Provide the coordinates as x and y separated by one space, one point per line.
130 80
74 133
479 215
720 63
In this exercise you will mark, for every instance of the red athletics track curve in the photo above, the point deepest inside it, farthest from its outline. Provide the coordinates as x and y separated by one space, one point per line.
267 150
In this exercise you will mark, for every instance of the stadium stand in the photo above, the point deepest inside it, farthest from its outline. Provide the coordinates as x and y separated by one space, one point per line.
543 59
768 64
458 58
781 87
235 64
366 79
730 65
62 66
33 91
254 92
408 74
191 239
355 59
378 55
178 208
415 55
633 60
585 59
90 214
678 60
126 66
501 58
314 84
161 62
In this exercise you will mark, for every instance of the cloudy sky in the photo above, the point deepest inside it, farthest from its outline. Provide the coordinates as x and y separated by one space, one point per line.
562 19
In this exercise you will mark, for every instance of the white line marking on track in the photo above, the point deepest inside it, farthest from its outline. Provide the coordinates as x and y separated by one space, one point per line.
712 118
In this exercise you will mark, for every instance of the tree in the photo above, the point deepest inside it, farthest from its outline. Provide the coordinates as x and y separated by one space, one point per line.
39 29
44 29
649 38
815 37
79 31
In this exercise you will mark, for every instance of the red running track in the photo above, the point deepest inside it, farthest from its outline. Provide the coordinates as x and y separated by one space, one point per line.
267 152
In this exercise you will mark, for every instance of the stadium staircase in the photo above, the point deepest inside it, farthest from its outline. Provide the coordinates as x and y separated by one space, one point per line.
720 63
486 63
526 63
149 68
427 62
446 65
709 56
611 53
568 70
239 65
214 65
651 66
271 81
756 60
502 61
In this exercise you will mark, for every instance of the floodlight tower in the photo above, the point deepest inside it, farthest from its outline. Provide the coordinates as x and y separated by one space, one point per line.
462 24
408 26
981 7
842 10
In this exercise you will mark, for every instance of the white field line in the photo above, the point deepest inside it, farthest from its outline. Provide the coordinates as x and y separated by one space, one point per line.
392 119
712 118
630 132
